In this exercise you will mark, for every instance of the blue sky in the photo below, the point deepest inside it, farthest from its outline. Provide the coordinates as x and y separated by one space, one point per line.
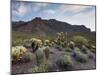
73 14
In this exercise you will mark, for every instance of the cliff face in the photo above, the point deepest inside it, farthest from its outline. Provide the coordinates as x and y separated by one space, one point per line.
47 26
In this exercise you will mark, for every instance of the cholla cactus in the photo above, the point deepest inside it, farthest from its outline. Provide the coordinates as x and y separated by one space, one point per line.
46 42
52 43
61 38
71 44
39 42
33 39
47 52
36 43
39 55
17 52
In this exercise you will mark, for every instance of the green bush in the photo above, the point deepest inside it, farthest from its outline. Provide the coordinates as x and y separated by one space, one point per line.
68 49
91 44
84 49
47 53
39 55
42 68
93 50
90 55
80 40
79 56
76 49
65 62
67 53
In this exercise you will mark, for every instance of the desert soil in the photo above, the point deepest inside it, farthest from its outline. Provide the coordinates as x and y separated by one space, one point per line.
27 67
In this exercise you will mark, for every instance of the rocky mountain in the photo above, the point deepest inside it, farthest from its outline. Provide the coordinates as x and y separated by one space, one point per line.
51 25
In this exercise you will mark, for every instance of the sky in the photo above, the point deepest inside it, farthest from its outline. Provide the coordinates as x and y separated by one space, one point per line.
73 14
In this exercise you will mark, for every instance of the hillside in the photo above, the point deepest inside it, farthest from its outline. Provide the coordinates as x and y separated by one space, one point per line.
51 26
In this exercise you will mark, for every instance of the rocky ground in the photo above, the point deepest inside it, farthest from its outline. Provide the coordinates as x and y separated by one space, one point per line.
20 68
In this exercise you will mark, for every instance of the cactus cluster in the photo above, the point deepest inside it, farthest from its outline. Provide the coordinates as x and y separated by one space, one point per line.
35 44
17 52
36 41
61 39
71 44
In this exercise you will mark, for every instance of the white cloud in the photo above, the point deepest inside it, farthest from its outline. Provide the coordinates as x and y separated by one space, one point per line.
79 15
72 8
85 18
49 11
21 10
41 4
38 6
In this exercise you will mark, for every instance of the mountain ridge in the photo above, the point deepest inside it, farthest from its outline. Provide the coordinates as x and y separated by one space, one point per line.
51 25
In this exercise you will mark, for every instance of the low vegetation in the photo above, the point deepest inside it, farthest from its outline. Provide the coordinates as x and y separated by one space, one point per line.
79 56
17 52
40 51
65 62
42 68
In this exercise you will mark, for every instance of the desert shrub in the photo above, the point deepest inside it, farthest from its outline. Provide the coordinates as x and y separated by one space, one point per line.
26 57
39 55
76 49
93 50
27 45
59 47
71 44
93 47
17 42
91 44
65 62
90 55
42 68
79 56
68 49
47 52
17 52
80 40
66 53
84 49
